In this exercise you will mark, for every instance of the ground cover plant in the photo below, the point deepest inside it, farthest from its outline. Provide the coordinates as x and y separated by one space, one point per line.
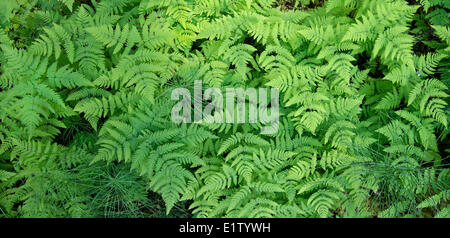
85 98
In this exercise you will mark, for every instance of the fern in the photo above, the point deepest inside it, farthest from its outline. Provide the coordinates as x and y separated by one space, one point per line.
86 129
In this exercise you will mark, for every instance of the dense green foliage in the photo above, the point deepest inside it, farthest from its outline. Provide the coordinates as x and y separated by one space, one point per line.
85 126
